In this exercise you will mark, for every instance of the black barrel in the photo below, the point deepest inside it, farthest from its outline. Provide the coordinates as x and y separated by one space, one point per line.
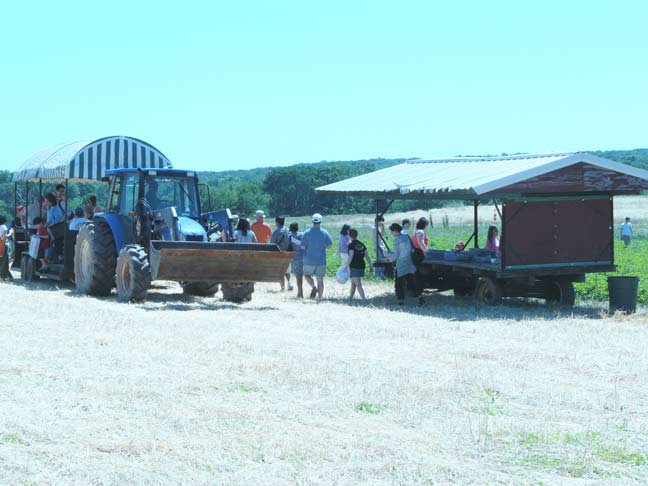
623 294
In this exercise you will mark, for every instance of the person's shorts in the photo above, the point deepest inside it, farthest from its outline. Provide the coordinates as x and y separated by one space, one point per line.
357 272
315 270
297 267
626 240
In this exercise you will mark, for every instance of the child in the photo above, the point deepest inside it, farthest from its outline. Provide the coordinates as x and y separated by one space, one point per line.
43 249
355 264
343 244
492 241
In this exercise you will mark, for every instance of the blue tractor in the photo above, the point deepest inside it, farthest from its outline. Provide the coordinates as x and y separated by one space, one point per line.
153 229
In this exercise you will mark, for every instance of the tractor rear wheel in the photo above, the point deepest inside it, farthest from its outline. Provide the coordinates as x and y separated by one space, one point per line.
200 289
238 292
95 258
133 274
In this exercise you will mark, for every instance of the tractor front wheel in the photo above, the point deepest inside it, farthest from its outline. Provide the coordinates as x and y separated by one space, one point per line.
200 289
238 292
95 257
133 274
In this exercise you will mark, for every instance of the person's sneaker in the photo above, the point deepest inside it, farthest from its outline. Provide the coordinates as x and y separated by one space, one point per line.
313 293
290 288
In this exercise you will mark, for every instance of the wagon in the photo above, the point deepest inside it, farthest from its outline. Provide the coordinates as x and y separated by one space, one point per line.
152 227
556 213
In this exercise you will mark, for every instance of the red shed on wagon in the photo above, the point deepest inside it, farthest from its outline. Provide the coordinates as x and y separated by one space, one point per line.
556 214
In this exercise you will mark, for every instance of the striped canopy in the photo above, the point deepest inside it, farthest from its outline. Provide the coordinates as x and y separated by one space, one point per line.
89 161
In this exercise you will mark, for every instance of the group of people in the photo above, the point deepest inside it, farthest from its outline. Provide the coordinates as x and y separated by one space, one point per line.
309 246
47 217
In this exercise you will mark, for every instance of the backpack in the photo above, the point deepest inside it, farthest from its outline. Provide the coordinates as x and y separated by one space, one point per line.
291 247
417 254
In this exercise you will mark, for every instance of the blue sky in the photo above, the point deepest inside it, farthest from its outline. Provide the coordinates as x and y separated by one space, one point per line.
226 85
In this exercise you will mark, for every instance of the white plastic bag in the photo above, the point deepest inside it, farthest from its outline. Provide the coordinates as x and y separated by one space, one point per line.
342 276
34 244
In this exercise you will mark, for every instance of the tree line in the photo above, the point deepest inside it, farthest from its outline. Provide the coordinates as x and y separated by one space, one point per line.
288 191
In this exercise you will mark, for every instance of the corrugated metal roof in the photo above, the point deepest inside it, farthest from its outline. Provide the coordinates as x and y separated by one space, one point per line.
465 177
89 160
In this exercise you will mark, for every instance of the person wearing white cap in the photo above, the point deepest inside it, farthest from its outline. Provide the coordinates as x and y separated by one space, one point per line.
314 244
262 230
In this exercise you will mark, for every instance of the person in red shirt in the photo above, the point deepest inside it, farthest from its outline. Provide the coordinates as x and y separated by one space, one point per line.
419 238
44 241
261 229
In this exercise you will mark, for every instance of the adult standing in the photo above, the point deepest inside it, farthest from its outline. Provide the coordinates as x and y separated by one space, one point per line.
405 268
11 240
297 265
626 232
5 274
262 230
314 243
61 198
35 209
54 224
243 234
281 238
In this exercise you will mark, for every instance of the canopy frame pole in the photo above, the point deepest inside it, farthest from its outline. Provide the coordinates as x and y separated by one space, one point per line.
475 222
27 234
15 206
499 213
379 235
65 232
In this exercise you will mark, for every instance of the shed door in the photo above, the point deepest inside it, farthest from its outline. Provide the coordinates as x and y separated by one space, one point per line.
557 233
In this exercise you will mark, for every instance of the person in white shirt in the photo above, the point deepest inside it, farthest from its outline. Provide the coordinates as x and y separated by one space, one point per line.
5 274
79 219
626 232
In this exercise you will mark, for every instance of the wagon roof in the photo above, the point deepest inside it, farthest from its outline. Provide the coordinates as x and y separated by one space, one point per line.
468 177
89 160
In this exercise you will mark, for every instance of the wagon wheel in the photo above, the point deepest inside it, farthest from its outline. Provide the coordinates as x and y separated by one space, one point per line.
561 292
488 291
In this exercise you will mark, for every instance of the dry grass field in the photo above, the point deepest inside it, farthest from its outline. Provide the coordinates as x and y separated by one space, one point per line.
198 391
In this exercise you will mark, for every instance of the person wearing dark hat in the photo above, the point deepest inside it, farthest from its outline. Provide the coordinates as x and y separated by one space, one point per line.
79 219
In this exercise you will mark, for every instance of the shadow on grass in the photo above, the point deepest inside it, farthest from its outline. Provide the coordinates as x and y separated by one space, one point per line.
466 309
181 302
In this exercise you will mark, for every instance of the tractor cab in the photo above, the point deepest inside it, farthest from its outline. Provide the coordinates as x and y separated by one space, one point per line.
155 204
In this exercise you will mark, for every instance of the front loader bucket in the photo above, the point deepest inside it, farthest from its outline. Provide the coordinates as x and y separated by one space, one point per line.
195 261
